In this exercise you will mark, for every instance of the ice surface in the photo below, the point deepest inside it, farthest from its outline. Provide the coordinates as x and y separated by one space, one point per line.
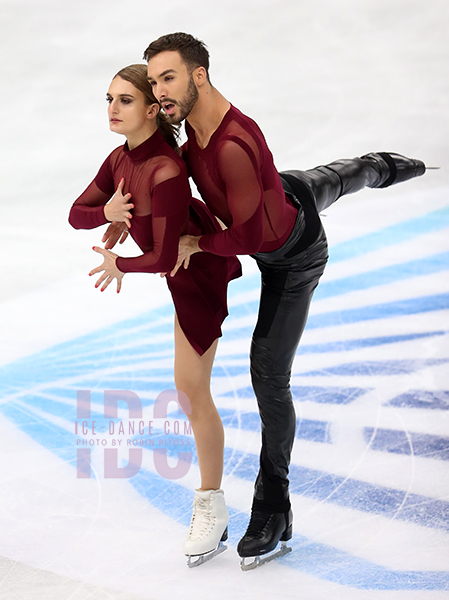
370 489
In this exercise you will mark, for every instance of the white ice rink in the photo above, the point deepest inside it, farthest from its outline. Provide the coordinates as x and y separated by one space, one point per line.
325 79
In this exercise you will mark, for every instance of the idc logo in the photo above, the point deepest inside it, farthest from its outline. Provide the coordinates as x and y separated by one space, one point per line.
122 431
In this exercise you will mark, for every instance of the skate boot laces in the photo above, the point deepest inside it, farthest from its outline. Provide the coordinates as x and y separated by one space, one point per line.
257 524
202 521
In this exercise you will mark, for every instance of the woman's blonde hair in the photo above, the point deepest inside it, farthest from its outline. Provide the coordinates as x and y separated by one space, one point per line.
137 75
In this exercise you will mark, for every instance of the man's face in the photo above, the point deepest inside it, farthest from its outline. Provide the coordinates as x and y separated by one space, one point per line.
172 85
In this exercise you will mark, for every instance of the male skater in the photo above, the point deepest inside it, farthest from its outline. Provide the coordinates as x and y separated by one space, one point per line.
274 218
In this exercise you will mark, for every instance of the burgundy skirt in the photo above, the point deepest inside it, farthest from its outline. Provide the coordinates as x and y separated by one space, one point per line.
200 292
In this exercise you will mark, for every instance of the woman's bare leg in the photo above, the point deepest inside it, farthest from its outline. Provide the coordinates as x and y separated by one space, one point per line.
192 376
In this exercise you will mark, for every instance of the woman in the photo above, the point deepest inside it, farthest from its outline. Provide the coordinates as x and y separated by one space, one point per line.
158 208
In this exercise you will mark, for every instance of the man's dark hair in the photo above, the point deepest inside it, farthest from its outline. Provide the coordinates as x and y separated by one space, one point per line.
193 51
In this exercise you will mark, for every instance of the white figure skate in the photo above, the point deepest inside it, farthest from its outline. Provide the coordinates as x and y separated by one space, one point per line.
208 527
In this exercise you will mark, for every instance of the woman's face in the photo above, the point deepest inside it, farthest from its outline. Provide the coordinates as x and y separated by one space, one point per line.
128 114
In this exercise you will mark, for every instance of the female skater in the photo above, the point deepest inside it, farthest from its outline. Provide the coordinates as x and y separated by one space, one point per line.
144 184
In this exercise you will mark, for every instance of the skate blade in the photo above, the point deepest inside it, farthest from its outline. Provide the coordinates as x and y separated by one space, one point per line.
196 561
261 560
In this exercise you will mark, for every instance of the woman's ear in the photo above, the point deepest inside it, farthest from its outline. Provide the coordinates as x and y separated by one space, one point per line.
153 111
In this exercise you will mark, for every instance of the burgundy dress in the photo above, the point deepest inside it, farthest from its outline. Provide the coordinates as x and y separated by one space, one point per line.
164 209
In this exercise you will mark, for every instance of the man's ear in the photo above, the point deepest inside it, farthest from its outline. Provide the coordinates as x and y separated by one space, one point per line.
200 76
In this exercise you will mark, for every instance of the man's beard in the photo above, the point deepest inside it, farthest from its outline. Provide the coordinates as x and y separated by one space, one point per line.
187 103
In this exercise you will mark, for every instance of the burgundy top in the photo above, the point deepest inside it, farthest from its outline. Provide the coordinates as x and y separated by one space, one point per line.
238 181
164 209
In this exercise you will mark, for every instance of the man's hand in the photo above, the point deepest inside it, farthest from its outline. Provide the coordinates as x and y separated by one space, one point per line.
115 232
118 207
188 245
110 270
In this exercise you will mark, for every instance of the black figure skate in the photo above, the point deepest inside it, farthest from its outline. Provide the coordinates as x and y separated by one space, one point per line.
328 183
265 531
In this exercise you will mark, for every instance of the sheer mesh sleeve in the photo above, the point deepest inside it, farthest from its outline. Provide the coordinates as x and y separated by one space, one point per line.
171 199
87 211
237 178
244 192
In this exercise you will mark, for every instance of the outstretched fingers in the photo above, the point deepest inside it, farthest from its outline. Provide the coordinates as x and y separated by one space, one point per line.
109 269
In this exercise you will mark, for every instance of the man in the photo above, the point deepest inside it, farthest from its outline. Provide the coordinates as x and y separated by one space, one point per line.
274 218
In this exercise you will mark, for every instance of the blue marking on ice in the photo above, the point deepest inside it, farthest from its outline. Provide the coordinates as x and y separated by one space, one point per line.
50 436
436 400
353 344
306 429
220 370
384 276
392 235
351 493
322 395
388 310
329 563
326 395
381 367
408 442
312 430
53 407
347 345
313 558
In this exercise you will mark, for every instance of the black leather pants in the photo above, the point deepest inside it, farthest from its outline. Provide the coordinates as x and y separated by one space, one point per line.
289 278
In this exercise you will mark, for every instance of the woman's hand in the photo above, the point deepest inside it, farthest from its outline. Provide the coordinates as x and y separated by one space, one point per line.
118 207
110 270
